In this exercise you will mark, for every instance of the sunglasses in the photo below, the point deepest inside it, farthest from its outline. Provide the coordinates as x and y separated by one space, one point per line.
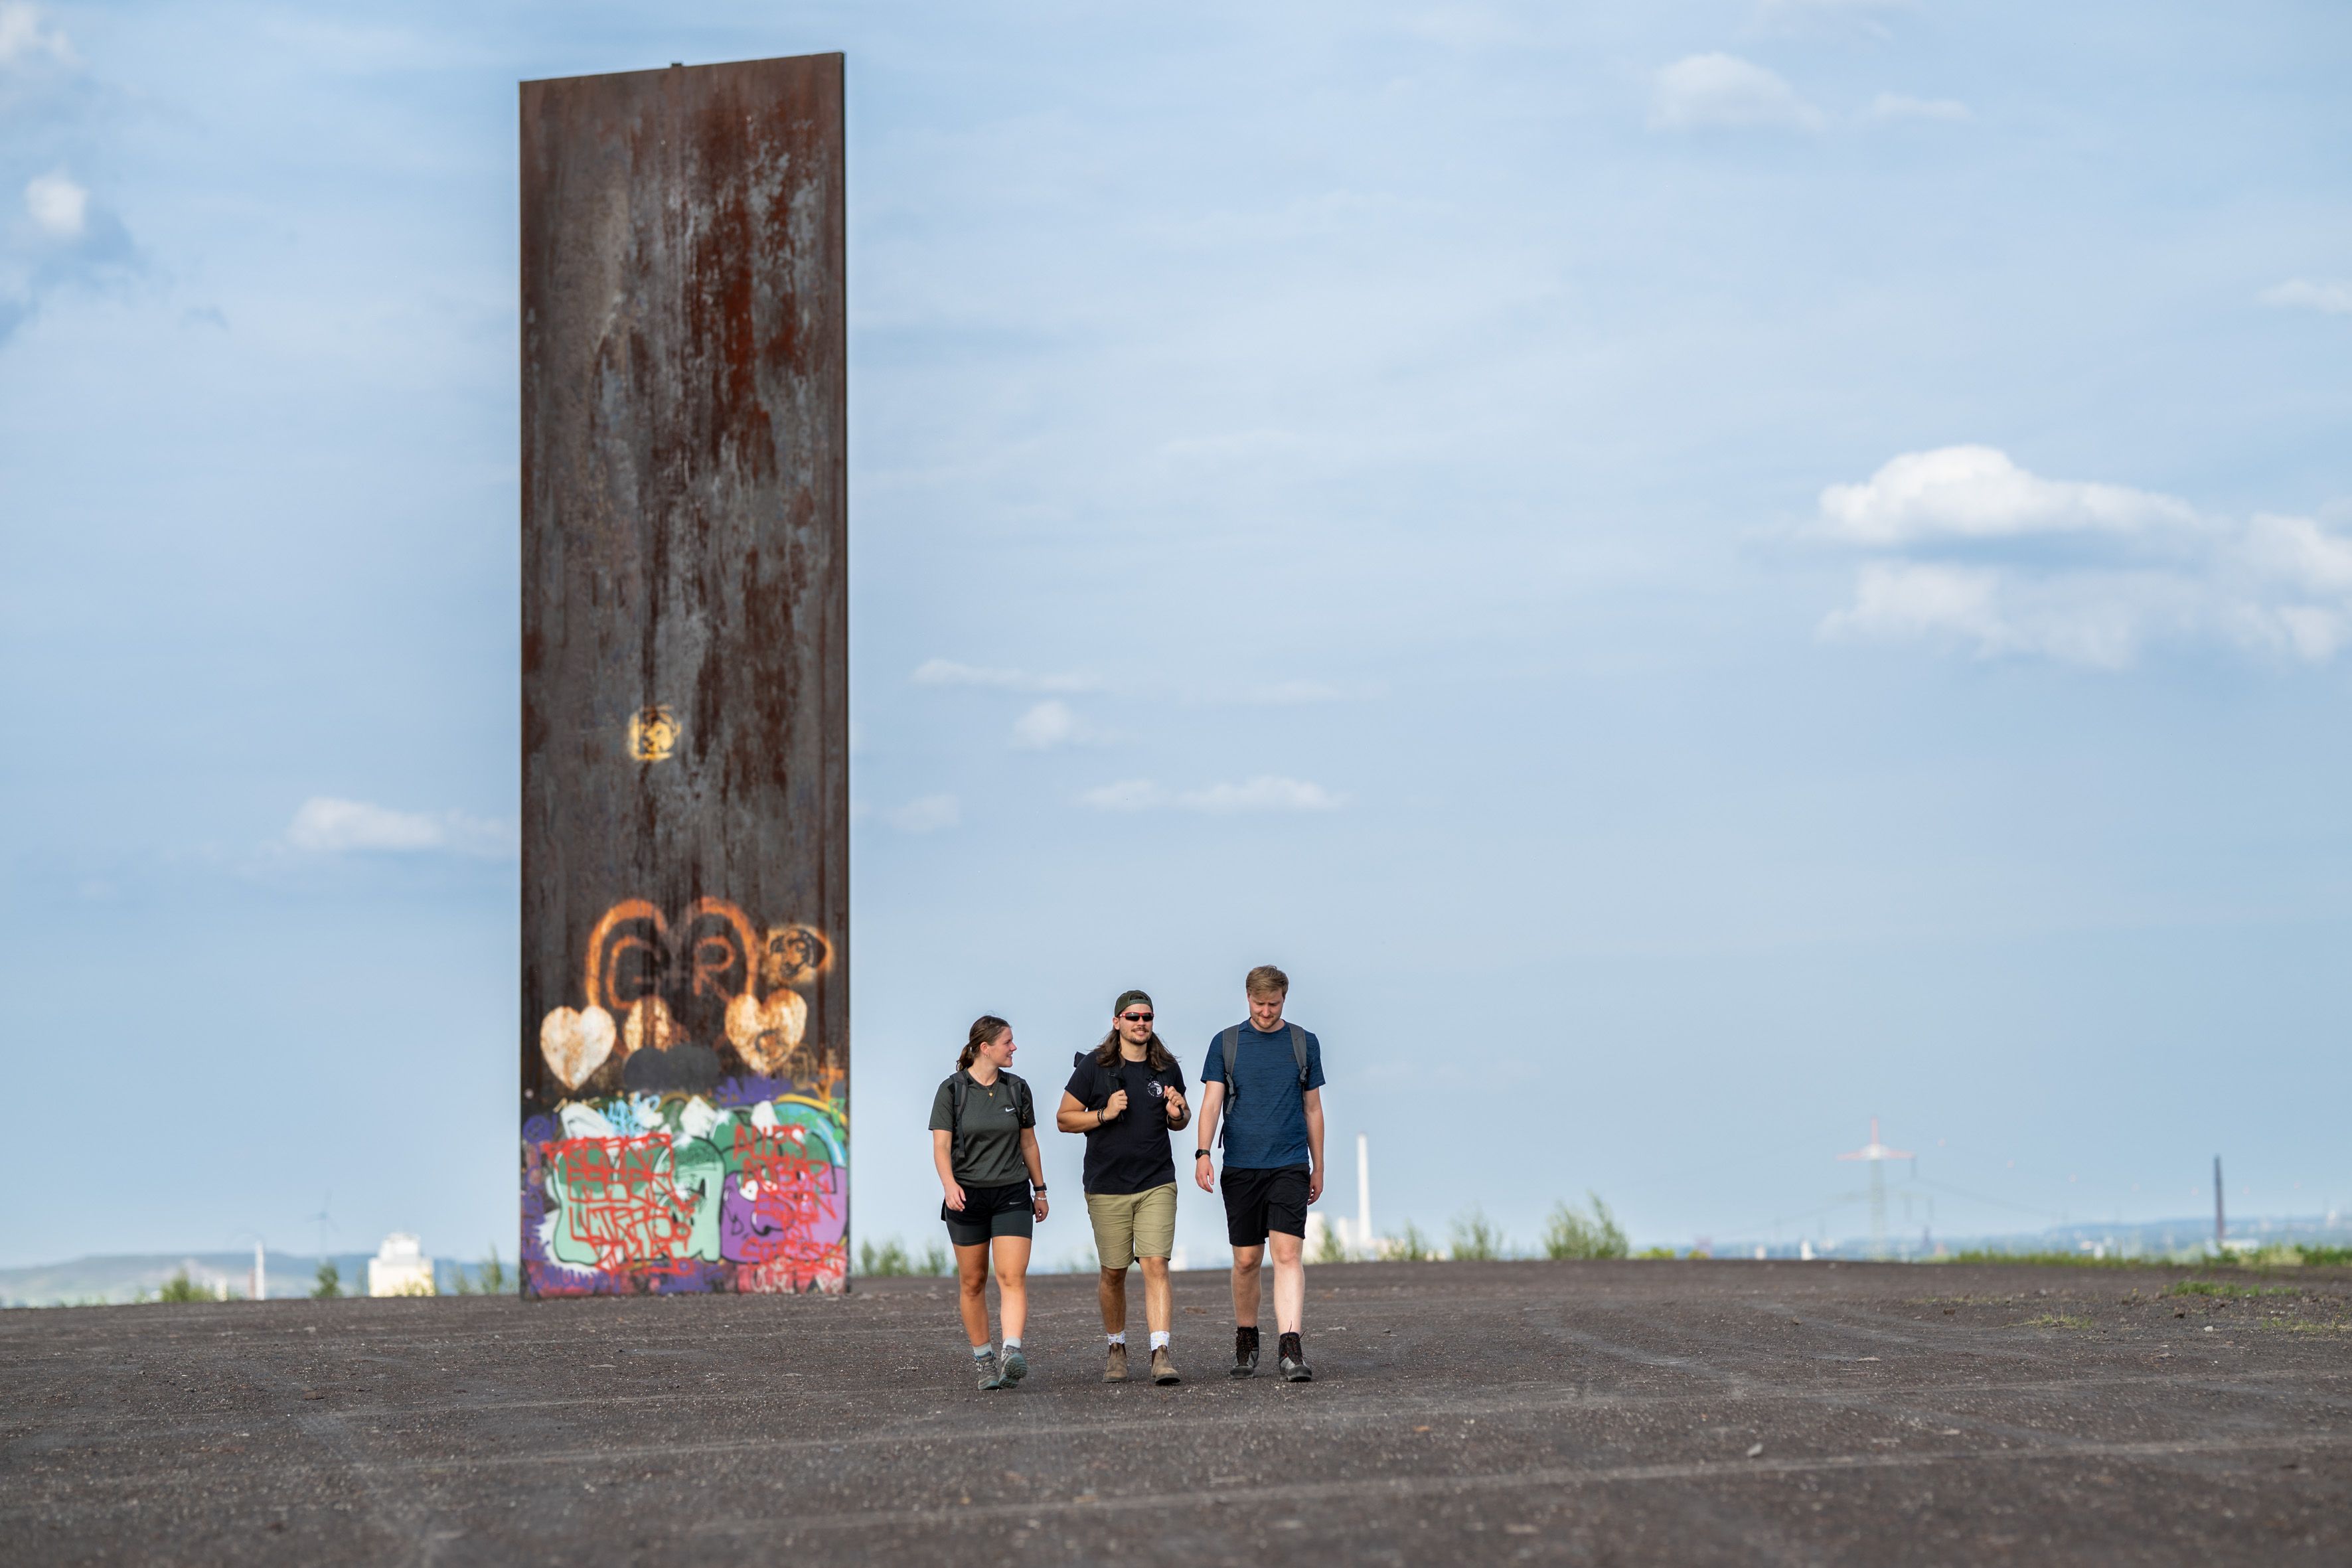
1135 1017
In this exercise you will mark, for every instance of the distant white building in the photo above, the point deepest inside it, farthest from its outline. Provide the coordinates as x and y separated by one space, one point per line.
400 1268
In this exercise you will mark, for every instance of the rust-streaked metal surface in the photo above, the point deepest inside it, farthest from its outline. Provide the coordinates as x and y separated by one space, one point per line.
684 1028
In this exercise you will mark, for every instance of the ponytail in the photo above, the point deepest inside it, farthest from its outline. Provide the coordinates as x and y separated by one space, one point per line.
984 1030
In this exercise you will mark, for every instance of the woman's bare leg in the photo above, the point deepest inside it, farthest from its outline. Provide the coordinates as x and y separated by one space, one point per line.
1013 1284
971 1293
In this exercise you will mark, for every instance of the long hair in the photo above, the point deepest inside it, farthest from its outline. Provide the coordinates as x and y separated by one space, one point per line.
1155 1055
984 1030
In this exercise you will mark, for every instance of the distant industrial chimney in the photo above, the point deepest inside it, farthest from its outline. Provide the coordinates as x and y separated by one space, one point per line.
2221 1224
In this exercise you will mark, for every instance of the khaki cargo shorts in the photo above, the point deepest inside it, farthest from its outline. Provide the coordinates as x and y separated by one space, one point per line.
1129 1225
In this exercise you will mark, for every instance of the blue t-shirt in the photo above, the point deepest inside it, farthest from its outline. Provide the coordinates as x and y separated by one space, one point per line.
1266 1121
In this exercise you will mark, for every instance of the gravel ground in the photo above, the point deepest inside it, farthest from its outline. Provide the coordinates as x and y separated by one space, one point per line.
1655 1412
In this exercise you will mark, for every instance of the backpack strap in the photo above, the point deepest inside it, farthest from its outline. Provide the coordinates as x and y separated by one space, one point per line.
1229 1044
959 1088
1299 1050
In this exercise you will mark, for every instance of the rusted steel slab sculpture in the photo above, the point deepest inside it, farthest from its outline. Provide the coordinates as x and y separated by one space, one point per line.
685 681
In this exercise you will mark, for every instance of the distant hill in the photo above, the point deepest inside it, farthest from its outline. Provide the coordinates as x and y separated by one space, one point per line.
2183 1239
95 1280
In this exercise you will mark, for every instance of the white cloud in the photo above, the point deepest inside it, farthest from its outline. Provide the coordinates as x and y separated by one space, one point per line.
1719 91
948 672
2102 623
1264 792
1973 551
2299 553
326 825
2332 297
1049 724
928 814
58 207
22 36
1128 794
1895 106
1976 492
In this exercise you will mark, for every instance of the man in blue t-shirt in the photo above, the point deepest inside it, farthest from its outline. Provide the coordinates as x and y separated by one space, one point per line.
1273 1111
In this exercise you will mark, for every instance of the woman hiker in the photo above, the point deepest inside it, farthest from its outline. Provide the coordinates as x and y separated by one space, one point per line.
984 1143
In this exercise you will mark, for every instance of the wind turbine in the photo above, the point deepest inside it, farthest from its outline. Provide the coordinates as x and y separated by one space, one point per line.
325 1221
1877 1154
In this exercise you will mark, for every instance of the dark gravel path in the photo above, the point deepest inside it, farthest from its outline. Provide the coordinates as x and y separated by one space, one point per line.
1681 1413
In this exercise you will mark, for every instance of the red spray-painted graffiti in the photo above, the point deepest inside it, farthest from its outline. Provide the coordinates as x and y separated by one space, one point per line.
621 1199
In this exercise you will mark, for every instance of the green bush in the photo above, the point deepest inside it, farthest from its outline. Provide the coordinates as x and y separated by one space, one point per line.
1571 1234
329 1284
1476 1239
935 1260
1665 1252
1328 1249
489 1278
887 1261
1408 1246
180 1288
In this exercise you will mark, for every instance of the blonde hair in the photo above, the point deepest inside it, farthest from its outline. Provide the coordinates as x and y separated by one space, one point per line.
1265 980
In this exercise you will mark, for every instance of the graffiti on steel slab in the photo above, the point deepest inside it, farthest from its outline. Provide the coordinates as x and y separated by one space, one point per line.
700 1141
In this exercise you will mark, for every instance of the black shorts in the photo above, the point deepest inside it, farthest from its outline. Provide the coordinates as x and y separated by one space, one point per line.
990 1211
1259 1201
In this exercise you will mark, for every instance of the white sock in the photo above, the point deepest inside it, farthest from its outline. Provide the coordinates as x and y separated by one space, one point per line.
1013 1344
980 1350
1117 1339
1159 1339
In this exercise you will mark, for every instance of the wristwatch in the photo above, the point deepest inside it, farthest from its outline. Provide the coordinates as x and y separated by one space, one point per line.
1035 1187
1199 1153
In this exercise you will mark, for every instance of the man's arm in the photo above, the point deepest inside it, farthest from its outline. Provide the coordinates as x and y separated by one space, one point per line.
1212 1099
1072 1117
1314 1144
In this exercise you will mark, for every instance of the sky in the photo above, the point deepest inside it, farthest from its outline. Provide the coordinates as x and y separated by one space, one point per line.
1697 573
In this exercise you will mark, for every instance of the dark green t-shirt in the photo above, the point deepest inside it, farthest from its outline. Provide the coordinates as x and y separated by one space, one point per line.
987 1148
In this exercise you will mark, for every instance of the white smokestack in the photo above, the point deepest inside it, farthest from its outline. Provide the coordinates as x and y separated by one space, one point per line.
1364 1193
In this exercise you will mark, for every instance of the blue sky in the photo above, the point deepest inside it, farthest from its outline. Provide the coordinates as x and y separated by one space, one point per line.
1696 572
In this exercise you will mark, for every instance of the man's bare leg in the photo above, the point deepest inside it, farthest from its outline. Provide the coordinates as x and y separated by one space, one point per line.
1158 1295
1290 1282
1247 1288
1111 1293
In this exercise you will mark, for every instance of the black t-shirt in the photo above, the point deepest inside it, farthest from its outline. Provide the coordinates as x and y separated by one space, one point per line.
1129 1154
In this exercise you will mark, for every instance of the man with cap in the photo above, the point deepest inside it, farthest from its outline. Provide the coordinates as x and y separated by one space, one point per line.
1127 1095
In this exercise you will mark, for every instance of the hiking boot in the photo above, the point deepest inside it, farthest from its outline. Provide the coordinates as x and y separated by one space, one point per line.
1015 1369
1294 1361
1115 1368
986 1365
1244 1353
1163 1367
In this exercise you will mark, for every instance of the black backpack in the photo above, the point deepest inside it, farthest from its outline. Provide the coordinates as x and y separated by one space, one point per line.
1230 1043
